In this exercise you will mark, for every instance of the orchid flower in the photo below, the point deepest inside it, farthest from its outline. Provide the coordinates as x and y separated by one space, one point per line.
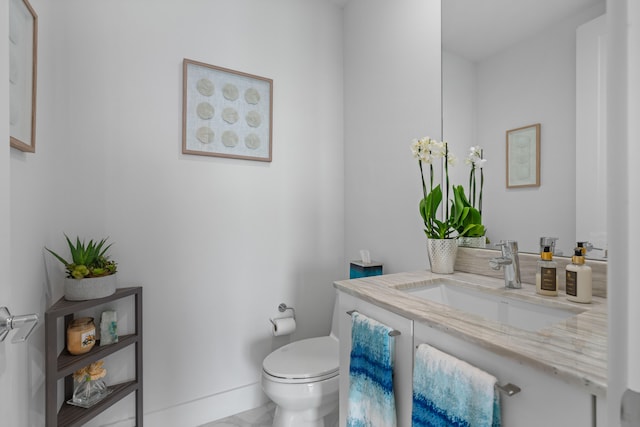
427 150
477 161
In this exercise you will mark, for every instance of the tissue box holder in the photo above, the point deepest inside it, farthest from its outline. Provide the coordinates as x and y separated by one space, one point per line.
364 269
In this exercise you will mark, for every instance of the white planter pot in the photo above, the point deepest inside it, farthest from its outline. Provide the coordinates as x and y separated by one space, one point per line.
92 288
442 255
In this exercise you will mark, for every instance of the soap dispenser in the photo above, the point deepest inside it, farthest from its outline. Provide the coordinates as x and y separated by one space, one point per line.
546 274
579 283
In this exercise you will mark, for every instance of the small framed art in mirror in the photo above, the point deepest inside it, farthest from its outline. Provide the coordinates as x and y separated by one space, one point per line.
23 54
523 156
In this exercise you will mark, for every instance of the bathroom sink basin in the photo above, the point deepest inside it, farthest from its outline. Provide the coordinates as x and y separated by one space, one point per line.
511 311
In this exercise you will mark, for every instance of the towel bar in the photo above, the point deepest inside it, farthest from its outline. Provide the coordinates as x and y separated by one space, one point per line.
392 333
508 389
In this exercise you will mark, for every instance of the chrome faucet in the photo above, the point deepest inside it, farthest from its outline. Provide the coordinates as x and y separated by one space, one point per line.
588 247
510 262
548 241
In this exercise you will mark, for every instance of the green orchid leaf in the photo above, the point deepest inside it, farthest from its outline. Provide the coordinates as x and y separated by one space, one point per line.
433 200
429 205
466 219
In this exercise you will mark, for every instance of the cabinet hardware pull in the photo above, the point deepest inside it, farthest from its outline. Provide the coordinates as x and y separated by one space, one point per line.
392 333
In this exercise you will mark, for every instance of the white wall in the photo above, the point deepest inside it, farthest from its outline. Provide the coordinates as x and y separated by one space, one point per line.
46 198
623 97
633 132
459 100
7 396
531 82
216 243
392 95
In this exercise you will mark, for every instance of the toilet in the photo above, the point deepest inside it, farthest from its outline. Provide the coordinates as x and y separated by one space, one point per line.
301 378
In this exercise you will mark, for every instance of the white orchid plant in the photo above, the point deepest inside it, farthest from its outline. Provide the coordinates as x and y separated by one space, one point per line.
476 160
468 215
462 217
428 151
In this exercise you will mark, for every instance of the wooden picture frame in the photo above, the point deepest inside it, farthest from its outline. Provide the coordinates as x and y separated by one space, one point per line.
23 56
226 113
523 157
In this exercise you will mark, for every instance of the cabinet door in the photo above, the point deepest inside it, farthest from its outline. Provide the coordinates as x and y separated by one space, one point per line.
601 412
543 401
403 354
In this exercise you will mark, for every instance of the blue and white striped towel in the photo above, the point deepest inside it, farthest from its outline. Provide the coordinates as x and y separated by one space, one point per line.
371 395
448 392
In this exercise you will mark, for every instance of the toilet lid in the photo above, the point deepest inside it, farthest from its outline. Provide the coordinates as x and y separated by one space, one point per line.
309 358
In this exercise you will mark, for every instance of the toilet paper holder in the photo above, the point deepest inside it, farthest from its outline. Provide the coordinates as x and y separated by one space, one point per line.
282 308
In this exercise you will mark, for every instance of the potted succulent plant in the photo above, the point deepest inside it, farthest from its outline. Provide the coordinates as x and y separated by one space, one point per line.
90 273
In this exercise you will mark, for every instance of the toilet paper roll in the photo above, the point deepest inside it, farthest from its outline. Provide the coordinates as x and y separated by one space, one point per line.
284 326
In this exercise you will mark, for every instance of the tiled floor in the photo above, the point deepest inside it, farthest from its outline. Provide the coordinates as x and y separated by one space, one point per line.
258 417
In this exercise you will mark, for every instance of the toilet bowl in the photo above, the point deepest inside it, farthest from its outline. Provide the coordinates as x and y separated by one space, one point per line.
301 378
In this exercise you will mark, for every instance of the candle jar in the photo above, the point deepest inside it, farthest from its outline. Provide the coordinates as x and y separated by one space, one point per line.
81 335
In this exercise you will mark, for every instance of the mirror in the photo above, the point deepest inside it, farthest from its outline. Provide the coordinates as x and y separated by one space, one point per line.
507 65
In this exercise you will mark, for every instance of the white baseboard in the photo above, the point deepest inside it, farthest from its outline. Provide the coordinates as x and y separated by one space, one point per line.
204 410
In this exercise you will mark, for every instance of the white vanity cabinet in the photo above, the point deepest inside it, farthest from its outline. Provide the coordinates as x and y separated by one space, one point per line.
403 354
543 400
601 412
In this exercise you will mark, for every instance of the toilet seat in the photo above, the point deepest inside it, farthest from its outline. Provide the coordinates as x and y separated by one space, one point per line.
308 360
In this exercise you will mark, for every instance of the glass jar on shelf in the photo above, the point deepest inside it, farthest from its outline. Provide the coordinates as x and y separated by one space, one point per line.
88 385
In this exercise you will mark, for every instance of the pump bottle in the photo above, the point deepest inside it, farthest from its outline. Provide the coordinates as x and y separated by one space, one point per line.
547 274
578 279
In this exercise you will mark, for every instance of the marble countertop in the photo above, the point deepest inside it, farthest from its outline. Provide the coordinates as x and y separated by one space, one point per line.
574 349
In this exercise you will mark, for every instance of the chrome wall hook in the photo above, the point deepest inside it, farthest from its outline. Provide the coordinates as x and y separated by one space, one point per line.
25 324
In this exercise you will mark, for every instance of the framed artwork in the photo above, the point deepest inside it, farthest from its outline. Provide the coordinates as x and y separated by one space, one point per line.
23 54
226 113
523 157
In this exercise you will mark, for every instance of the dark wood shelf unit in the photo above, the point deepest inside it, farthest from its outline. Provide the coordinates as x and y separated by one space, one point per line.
63 365
68 363
71 416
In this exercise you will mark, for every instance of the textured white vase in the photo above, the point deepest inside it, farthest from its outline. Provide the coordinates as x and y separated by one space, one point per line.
442 255
92 288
